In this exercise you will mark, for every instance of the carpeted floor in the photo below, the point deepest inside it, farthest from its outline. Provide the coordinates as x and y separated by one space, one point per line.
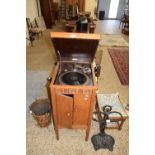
35 80
42 141
120 59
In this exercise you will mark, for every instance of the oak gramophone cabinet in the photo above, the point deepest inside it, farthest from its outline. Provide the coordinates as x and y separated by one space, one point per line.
73 86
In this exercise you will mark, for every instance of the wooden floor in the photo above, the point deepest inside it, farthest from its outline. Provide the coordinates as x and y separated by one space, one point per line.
109 27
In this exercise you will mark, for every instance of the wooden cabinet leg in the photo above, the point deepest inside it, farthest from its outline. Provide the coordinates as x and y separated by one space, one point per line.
87 134
56 131
57 134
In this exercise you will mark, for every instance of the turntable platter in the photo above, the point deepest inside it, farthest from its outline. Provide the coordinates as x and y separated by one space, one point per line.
73 78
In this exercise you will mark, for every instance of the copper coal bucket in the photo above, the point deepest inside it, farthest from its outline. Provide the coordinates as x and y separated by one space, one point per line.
41 111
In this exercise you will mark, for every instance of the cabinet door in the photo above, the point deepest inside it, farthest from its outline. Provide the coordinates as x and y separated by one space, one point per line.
46 9
64 108
82 103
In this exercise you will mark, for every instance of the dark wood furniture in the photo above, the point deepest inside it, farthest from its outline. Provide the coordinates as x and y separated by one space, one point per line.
56 11
124 24
47 12
71 10
73 104
92 27
81 4
75 8
124 21
70 26
125 31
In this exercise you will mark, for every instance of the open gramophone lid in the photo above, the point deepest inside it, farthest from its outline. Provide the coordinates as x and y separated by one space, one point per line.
79 47
73 78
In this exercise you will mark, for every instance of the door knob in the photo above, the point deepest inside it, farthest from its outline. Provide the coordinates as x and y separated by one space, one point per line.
85 99
68 114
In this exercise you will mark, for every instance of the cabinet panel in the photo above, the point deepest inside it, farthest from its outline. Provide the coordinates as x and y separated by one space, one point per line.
81 109
64 108
46 9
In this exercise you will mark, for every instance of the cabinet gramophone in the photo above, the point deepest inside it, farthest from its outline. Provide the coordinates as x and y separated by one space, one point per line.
73 86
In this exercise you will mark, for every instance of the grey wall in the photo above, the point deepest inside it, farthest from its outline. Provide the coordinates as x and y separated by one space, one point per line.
121 8
31 9
105 5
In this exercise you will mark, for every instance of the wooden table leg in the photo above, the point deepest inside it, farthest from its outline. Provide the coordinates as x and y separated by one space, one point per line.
87 134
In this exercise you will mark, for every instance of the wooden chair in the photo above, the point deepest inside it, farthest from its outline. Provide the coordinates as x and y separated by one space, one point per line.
124 22
33 30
